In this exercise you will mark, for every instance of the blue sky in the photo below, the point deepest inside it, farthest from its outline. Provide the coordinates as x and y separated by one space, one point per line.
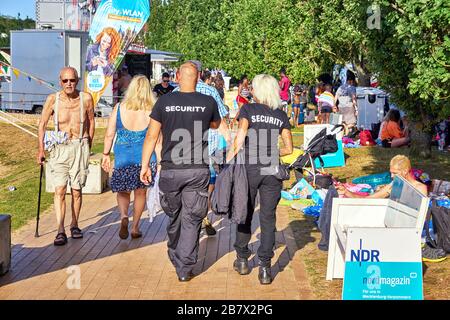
12 7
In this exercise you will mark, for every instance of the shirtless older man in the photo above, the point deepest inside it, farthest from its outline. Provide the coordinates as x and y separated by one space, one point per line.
73 113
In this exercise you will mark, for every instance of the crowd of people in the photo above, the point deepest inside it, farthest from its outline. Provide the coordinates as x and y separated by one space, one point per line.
162 131
329 97
175 133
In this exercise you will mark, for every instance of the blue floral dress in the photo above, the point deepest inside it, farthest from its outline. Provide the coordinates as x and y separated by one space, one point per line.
127 159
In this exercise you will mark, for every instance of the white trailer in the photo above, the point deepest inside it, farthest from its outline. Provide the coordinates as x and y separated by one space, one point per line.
41 53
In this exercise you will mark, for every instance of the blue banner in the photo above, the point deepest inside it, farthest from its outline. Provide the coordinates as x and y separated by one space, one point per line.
114 27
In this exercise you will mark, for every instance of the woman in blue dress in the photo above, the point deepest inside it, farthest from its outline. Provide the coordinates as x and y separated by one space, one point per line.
129 121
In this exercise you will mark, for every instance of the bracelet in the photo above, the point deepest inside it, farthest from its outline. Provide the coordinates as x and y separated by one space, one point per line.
106 154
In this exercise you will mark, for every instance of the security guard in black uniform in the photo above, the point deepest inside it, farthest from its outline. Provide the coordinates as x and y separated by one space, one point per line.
183 118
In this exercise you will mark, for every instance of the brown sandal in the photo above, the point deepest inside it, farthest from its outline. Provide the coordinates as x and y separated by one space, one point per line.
61 239
123 233
76 233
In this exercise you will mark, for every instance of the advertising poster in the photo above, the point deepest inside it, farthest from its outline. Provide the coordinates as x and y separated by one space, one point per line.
115 26
375 269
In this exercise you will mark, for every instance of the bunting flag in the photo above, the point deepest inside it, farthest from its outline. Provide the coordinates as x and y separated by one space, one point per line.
114 27
6 68
16 72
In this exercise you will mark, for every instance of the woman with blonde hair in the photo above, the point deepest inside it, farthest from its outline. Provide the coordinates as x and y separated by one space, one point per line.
129 120
260 125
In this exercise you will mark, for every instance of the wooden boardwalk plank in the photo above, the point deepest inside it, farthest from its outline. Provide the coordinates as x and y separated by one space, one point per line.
112 268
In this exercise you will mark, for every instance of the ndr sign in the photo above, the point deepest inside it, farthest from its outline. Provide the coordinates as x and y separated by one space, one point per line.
371 273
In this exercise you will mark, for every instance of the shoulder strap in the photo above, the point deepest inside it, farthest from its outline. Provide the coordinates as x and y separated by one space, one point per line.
429 239
118 117
56 111
81 115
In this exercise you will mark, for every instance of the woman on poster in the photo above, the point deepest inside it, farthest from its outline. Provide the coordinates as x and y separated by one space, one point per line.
102 54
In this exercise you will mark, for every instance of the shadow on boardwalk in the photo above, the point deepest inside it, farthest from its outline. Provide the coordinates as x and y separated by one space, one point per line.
33 257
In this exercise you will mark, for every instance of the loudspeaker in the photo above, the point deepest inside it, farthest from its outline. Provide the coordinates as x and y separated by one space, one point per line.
5 243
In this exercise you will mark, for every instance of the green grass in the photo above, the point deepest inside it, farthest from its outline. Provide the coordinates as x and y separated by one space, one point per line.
21 204
359 162
19 169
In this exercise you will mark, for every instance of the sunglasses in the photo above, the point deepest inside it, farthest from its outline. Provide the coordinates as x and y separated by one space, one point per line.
66 80
165 80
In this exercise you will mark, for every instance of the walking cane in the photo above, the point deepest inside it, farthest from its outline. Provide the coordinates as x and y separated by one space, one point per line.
36 234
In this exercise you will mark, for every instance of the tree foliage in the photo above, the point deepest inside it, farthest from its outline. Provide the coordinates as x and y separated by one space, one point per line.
410 52
7 24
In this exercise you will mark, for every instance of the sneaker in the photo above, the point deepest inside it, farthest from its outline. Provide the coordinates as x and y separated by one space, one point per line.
433 255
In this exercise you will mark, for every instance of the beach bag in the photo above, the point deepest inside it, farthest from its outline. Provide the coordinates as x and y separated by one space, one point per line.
365 138
440 217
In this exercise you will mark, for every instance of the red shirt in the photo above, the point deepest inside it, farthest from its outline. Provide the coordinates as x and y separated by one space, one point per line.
284 86
391 130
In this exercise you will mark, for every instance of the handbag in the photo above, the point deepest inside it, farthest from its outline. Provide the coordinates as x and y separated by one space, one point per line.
282 172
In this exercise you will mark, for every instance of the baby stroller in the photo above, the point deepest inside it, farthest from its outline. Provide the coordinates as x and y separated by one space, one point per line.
321 144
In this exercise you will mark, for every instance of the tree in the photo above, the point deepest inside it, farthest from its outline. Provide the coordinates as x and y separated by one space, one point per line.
411 52
8 24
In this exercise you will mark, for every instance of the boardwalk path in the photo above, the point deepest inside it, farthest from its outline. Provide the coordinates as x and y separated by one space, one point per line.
140 269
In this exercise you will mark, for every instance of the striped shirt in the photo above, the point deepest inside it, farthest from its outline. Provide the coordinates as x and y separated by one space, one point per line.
245 93
327 99
213 134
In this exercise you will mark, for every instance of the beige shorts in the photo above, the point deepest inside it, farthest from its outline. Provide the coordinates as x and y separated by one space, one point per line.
69 163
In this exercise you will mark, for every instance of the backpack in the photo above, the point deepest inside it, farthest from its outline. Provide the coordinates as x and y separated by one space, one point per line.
375 130
441 226
365 138
323 181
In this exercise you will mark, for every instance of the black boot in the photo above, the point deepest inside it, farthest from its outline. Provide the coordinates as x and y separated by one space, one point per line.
241 266
186 278
265 275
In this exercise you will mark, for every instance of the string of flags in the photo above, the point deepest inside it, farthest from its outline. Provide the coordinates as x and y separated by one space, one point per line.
5 68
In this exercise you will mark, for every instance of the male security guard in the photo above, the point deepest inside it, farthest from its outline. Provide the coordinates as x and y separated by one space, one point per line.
183 117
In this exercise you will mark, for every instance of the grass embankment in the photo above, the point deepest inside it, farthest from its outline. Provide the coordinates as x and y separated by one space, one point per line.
18 168
359 162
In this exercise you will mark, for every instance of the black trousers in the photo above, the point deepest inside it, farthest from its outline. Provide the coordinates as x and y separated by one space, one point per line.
270 193
184 198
